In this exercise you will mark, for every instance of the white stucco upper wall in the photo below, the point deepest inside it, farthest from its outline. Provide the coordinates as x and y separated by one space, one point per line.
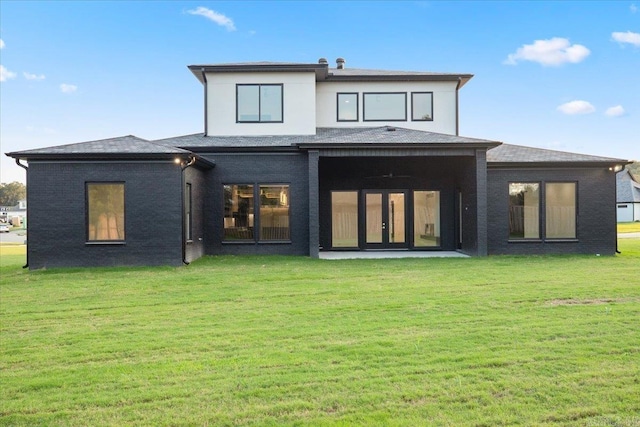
298 95
444 104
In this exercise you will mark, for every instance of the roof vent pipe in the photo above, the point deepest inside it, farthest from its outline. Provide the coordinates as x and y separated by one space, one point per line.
340 63
323 61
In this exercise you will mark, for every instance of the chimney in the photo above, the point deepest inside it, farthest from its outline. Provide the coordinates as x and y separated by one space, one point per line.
323 61
340 63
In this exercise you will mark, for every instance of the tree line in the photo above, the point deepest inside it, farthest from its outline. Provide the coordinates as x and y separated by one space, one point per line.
12 193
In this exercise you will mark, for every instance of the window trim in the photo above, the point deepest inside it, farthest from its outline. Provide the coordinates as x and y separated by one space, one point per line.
364 106
86 213
260 85
412 107
357 94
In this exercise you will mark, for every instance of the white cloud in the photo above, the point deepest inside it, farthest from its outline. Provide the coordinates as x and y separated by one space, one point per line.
214 16
67 88
633 8
1 44
576 107
616 111
555 51
30 76
628 37
6 74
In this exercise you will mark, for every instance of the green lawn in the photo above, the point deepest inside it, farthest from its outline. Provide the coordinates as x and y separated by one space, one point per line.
293 341
629 227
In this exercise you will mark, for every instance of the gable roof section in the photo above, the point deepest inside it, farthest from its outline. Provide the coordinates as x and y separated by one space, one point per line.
327 137
627 190
517 155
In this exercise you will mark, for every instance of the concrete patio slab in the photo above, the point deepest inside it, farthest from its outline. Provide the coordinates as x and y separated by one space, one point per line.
335 255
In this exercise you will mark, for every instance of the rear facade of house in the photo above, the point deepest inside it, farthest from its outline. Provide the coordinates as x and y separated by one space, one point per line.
301 158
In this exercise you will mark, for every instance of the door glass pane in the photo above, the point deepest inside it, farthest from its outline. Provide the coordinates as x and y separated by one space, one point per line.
396 218
374 217
344 219
426 217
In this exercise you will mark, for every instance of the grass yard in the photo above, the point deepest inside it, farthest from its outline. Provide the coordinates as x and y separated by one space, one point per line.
293 341
629 227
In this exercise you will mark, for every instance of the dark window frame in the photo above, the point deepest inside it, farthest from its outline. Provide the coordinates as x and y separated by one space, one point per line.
188 213
412 107
260 85
256 237
89 241
357 94
364 106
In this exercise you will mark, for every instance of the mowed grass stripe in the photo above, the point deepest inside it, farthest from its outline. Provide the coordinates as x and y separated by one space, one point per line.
293 341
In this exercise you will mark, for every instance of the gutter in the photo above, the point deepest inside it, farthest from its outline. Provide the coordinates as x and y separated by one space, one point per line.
26 168
191 160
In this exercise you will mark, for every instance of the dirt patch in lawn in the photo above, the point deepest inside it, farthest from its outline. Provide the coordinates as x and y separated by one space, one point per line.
595 301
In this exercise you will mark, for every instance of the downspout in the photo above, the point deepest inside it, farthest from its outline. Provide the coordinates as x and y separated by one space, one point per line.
26 168
206 103
457 113
183 166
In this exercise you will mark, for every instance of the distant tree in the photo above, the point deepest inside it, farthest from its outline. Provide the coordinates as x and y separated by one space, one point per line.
634 168
12 193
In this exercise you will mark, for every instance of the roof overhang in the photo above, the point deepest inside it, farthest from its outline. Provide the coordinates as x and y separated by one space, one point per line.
199 71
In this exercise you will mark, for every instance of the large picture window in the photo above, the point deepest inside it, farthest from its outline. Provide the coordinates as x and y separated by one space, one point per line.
105 212
385 106
344 219
560 200
421 106
524 210
259 103
270 221
238 212
347 107
426 218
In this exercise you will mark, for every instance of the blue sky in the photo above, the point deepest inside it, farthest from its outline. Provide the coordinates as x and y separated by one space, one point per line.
558 75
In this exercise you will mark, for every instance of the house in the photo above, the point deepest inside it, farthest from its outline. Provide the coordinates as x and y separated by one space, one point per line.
301 158
15 215
627 197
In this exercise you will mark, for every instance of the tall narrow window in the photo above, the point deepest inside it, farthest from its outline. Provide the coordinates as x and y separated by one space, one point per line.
384 106
105 212
421 106
188 222
238 212
426 218
274 212
344 219
347 107
259 103
524 210
560 198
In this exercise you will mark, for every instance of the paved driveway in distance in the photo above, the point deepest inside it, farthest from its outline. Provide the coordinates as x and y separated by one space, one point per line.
17 236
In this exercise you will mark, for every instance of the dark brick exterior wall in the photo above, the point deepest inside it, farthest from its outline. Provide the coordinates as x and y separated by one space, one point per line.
466 183
256 169
57 214
596 217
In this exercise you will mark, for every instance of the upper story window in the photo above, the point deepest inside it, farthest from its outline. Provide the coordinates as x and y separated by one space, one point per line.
384 106
421 106
259 103
105 211
348 107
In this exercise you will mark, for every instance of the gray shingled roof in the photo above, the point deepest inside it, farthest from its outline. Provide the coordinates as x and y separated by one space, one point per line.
325 136
507 153
627 190
127 145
